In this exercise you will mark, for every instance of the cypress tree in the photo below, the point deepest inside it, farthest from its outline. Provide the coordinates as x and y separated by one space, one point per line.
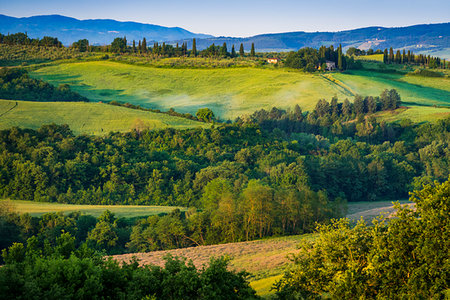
385 56
340 57
398 57
223 50
391 55
163 49
233 51
134 46
241 50
252 51
404 57
144 45
139 47
194 47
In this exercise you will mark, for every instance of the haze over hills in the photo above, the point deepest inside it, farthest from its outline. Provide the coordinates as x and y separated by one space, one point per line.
69 30
429 38
419 38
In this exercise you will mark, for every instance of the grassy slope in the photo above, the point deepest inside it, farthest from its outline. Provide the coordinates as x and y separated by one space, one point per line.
89 118
126 211
423 90
234 91
229 92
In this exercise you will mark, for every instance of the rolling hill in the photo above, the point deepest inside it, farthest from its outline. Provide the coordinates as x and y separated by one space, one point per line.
232 92
69 30
87 118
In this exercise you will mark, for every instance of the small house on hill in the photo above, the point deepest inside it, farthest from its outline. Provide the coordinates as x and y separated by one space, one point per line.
273 60
331 65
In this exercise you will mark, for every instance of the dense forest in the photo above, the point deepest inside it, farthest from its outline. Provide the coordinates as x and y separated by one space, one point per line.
318 151
401 258
15 84
397 257
67 272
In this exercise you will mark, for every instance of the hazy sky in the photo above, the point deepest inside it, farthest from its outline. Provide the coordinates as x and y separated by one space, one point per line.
241 17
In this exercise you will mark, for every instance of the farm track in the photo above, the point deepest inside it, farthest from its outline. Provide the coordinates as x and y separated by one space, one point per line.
346 90
4 113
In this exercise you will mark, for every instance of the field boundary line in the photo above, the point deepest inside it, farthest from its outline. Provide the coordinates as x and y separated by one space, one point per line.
15 105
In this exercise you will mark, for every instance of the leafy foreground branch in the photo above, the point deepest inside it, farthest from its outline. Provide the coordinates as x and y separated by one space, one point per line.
406 257
62 272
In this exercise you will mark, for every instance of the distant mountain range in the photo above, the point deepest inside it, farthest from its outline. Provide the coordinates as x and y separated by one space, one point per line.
69 30
430 38
419 38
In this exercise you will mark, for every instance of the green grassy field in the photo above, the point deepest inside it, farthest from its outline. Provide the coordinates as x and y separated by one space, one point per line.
417 114
414 89
231 92
89 118
125 211
373 57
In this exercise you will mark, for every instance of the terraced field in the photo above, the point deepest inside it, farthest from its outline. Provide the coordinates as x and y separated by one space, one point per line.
88 118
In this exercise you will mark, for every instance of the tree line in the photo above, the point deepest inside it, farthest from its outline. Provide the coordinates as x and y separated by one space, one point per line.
23 39
352 160
311 59
258 212
410 58
120 45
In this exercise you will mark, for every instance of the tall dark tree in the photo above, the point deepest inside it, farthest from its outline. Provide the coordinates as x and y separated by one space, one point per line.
134 46
334 107
252 51
371 104
241 50
398 57
385 56
391 55
144 45
194 48
346 108
223 50
233 51
340 66
358 105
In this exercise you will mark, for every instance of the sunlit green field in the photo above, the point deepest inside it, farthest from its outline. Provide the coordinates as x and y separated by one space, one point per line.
231 92
373 57
126 211
417 114
89 118
412 89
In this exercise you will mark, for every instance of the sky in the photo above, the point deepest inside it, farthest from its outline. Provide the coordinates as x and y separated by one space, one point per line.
243 18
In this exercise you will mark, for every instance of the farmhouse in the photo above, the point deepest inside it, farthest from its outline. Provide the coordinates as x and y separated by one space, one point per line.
273 60
331 65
